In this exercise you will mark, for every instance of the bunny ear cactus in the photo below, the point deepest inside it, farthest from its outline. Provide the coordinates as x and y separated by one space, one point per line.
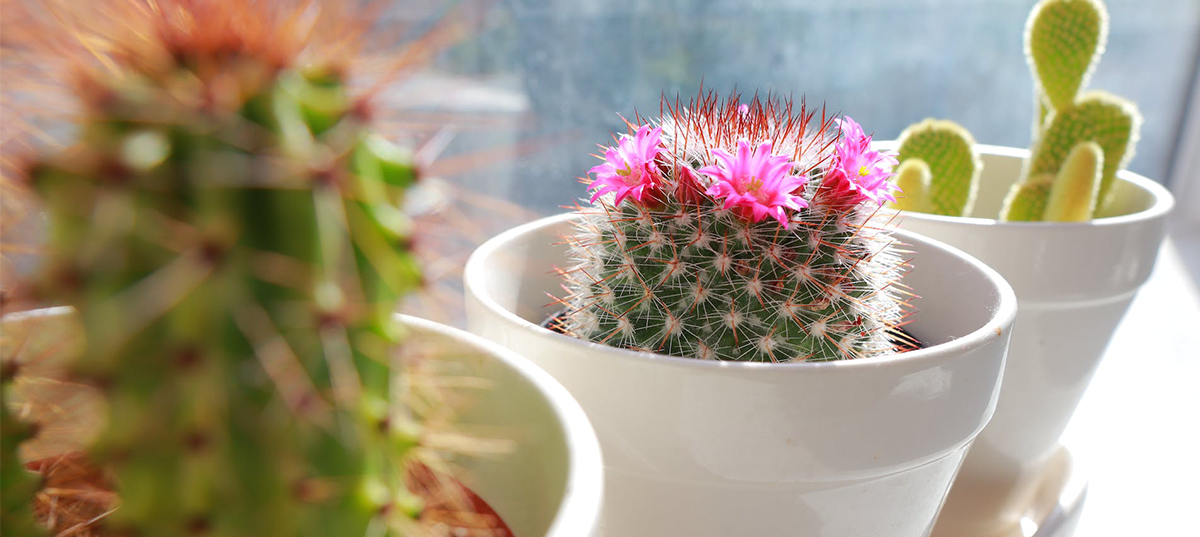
1064 40
228 228
951 161
1096 117
738 232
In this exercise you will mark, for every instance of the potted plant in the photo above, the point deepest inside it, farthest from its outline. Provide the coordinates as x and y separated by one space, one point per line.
228 229
730 314
1073 233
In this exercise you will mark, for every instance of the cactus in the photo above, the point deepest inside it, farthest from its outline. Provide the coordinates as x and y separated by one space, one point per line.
677 254
1076 189
17 485
227 226
948 151
1064 40
913 177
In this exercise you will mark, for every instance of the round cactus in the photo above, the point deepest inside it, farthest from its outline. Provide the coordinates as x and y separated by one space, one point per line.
738 232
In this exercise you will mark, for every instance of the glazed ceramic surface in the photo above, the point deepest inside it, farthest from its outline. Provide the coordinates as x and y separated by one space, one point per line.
703 448
552 483
1073 283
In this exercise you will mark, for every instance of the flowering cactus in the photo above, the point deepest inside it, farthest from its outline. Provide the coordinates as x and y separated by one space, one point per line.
733 231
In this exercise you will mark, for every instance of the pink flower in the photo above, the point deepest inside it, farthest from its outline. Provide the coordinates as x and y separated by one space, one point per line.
856 172
629 168
757 183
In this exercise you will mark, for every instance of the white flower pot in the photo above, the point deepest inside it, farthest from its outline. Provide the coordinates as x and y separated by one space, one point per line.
1073 282
550 484
705 448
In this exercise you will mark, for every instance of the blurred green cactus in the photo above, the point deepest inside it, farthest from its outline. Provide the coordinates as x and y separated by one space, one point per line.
953 165
228 226
17 485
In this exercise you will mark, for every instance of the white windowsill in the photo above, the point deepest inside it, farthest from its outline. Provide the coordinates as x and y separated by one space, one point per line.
1137 431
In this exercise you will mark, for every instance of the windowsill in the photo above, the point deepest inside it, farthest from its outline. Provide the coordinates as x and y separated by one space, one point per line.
1135 431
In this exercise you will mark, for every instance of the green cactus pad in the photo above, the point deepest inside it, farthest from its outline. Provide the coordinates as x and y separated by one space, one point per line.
1110 121
1026 202
1072 197
949 151
913 178
1064 40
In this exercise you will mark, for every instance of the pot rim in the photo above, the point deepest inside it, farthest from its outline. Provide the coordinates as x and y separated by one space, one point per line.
1162 205
579 511
1003 312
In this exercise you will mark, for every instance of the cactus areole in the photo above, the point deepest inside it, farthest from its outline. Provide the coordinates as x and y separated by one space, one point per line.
738 231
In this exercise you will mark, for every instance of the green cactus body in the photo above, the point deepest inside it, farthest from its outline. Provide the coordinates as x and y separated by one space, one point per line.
235 270
1027 202
1098 117
913 177
1073 195
954 165
17 485
1063 42
678 273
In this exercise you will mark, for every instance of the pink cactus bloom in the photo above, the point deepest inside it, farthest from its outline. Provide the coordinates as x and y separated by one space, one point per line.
629 168
856 172
756 183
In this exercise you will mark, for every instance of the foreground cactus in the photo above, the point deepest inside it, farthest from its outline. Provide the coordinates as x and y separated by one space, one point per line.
677 254
227 226
948 154
1064 40
17 485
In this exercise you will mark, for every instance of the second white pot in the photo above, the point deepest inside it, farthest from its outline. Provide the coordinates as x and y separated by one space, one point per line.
703 448
1074 281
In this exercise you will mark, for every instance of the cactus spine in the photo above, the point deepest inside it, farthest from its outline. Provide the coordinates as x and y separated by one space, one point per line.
673 269
1064 40
227 226
948 152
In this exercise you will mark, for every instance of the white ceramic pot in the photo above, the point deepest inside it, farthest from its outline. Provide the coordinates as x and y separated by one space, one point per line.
705 448
1073 282
550 484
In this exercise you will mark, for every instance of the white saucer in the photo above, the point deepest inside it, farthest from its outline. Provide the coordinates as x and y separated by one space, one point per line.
1056 508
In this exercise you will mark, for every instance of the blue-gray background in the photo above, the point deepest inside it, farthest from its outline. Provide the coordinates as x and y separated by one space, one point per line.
556 73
